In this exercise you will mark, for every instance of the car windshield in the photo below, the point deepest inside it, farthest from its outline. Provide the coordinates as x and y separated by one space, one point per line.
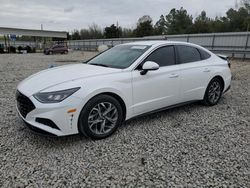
120 56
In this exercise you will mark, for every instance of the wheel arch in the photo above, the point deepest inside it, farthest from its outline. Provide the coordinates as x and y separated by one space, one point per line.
116 96
220 78
120 100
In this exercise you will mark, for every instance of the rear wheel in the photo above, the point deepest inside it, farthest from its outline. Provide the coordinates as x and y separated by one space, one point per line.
213 92
100 117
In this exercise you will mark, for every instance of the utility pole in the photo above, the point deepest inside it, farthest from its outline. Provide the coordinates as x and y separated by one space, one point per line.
5 42
117 26
236 4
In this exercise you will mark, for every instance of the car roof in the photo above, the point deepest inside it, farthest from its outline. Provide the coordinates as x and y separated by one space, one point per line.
157 42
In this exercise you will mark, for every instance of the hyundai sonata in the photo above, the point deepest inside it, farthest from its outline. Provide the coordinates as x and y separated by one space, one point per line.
128 80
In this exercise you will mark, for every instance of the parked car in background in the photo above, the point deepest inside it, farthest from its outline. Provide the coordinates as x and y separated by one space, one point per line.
56 49
125 81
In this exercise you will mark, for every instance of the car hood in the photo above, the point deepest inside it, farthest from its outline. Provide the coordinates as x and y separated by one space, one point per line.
57 75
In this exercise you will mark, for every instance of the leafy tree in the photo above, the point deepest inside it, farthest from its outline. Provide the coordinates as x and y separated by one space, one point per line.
160 26
237 19
246 4
95 32
127 33
144 27
112 31
219 25
68 36
75 35
178 21
85 34
201 24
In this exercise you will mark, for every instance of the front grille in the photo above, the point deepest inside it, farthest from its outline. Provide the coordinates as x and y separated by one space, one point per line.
24 104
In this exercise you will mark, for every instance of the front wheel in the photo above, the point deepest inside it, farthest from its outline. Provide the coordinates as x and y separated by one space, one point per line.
100 117
213 92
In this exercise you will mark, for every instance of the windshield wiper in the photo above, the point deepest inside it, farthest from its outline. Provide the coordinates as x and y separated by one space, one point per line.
102 65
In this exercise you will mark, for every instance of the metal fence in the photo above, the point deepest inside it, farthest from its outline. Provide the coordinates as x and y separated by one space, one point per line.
232 44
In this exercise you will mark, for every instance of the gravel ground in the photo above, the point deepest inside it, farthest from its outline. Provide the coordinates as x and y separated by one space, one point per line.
189 146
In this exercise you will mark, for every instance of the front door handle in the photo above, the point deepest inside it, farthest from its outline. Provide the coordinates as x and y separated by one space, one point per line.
174 76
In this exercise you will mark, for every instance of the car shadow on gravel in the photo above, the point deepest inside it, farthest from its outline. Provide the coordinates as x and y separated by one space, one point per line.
153 118
173 112
48 140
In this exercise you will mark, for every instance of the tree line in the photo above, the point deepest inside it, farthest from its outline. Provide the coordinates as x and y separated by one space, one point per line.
177 21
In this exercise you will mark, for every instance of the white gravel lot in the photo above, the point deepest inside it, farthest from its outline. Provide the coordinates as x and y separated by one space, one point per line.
189 146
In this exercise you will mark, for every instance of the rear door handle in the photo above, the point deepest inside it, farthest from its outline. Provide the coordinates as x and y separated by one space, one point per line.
174 76
207 70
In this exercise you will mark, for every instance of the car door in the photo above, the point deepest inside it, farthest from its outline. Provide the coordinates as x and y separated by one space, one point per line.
57 49
61 49
195 72
54 49
159 88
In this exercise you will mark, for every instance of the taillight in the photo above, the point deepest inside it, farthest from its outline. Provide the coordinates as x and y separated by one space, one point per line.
229 64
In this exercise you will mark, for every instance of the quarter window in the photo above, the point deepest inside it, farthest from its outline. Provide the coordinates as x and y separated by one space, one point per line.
164 56
204 54
188 54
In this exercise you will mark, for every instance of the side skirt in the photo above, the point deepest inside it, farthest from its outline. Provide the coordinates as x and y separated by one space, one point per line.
163 109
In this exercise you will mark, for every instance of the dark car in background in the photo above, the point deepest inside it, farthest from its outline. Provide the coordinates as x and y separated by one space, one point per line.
56 49
1 48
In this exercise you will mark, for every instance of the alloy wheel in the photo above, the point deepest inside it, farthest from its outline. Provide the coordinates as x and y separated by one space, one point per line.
214 92
103 118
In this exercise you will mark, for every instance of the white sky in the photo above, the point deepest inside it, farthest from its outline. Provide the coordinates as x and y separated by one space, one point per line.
67 15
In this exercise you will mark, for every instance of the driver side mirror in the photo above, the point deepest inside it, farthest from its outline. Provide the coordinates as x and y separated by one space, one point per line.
149 66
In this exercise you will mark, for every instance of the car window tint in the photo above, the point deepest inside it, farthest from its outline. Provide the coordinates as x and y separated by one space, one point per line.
164 56
188 54
204 54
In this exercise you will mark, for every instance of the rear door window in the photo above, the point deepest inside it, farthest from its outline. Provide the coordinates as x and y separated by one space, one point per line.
188 54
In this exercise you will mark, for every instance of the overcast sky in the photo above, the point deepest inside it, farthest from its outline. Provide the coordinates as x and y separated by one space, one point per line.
66 15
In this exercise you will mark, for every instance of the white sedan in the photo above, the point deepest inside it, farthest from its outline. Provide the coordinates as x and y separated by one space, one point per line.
128 80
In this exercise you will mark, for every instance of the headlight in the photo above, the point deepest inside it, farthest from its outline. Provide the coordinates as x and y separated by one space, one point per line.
55 96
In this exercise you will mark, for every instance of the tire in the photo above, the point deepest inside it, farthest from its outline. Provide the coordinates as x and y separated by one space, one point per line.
96 122
213 92
50 52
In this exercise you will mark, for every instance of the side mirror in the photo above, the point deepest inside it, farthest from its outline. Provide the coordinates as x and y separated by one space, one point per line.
149 66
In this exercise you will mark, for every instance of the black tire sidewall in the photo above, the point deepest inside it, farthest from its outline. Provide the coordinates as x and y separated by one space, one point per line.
83 117
206 100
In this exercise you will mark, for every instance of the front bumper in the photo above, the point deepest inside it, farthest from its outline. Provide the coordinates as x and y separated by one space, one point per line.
53 118
39 131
